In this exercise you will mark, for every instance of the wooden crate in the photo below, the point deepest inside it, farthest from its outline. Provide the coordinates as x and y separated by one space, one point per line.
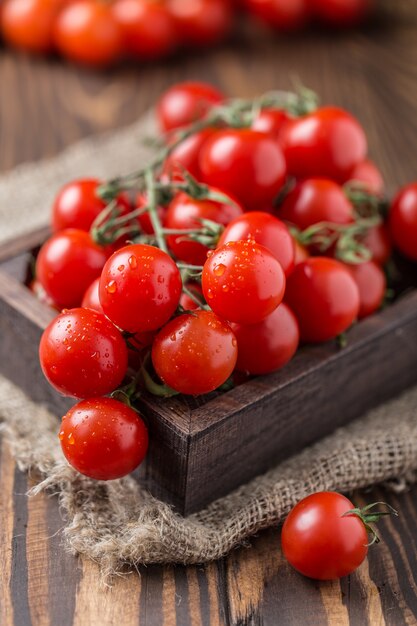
201 448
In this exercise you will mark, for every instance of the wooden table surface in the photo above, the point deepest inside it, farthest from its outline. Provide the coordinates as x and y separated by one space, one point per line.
45 105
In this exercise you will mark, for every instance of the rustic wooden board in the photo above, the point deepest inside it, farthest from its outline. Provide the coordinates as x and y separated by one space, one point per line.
45 106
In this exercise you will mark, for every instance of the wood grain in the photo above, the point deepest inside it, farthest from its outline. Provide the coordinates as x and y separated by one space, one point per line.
45 105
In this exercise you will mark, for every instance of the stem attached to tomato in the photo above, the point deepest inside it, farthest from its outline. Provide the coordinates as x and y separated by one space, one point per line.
368 517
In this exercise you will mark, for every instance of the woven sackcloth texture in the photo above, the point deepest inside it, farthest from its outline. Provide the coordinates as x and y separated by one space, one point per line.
118 523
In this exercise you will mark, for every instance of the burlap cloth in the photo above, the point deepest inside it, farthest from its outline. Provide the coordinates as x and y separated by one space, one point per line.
118 523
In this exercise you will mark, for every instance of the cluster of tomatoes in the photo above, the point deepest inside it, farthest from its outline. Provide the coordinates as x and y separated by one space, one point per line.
244 236
100 33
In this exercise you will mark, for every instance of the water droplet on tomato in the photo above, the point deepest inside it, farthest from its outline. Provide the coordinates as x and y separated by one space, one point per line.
111 287
219 269
61 435
121 268
71 439
133 262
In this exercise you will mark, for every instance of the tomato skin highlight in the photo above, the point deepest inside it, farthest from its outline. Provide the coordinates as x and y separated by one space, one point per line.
103 438
372 285
324 297
267 231
82 354
319 542
402 221
245 163
268 345
67 264
185 103
140 288
243 282
327 143
195 353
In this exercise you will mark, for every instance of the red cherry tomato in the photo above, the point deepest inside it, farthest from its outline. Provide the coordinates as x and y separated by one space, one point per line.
271 122
86 32
372 285
195 353
103 438
82 354
342 13
188 303
28 24
67 264
148 29
403 221
243 282
184 103
140 288
144 220
369 175
316 200
283 15
186 156
268 345
201 22
246 164
324 297
77 205
91 299
184 213
319 542
378 241
328 143
266 230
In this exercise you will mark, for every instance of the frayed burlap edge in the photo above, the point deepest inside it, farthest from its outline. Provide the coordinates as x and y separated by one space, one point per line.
118 523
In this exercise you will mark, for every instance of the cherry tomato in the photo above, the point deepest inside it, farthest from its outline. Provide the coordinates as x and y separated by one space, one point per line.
271 122
403 221
244 163
91 299
186 156
319 541
188 303
328 143
186 102
103 438
28 24
148 29
324 297
144 220
283 15
67 264
342 13
369 175
82 354
266 230
201 22
268 345
372 285
316 200
86 32
140 288
77 205
195 353
184 213
378 241
243 282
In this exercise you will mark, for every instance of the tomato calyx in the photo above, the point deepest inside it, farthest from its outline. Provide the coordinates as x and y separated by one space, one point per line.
366 204
368 516
156 389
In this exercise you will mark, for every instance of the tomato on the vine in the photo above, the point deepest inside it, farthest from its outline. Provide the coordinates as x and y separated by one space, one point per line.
284 15
266 230
140 288
67 264
327 143
320 541
367 173
103 438
195 353
144 220
148 29
185 103
378 241
324 297
187 303
403 221
243 282
185 212
86 32
82 354
91 299
28 24
246 164
271 122
201 22
342 13
185 156
372 285
268 345
78 204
